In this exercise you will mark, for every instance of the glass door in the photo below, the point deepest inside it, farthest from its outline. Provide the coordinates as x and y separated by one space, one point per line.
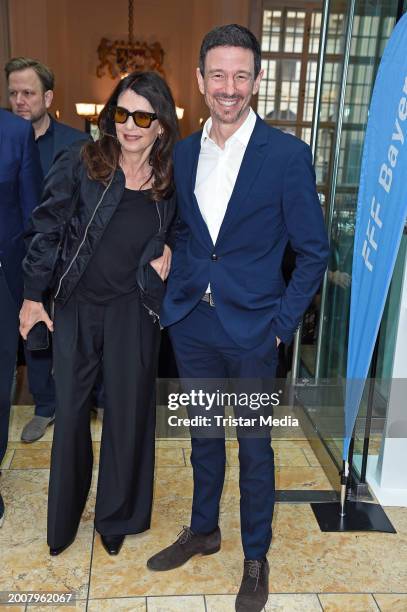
348 80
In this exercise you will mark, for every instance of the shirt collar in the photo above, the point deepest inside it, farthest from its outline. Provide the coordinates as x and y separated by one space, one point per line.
51 125
242 134
50 128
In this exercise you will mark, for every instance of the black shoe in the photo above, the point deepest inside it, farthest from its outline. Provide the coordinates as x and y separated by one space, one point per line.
112 543
1 510
187 545
254 590
59 549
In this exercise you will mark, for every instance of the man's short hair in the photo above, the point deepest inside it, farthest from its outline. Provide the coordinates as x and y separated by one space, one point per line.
232 35
44 73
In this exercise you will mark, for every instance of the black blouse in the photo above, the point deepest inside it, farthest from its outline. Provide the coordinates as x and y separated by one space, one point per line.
112 269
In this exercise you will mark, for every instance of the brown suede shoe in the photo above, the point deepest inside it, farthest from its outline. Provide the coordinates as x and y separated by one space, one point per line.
254 590
187 545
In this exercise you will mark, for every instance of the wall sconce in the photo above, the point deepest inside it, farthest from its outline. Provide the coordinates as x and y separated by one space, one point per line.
90 112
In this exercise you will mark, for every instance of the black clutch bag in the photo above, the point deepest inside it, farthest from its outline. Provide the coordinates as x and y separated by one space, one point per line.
38 337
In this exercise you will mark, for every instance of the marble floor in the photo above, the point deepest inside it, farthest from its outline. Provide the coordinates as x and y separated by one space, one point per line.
310 570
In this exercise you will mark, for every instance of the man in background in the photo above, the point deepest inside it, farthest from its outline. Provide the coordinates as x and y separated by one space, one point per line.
20 190
31 91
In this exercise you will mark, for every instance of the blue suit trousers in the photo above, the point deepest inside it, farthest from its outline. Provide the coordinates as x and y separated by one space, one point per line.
203 350
9 310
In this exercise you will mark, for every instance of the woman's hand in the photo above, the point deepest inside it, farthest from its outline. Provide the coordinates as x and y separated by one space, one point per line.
32 313
162 264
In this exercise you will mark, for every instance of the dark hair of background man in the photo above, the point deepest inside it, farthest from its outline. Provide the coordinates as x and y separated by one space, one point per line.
44 73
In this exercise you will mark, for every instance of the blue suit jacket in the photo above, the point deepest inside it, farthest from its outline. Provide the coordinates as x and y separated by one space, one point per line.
59 136
66 135
274 201
20 192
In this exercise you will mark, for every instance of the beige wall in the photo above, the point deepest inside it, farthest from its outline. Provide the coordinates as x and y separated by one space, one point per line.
4 48
65 34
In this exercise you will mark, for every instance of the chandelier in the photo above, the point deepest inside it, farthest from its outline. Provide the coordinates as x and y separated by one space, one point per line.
120 57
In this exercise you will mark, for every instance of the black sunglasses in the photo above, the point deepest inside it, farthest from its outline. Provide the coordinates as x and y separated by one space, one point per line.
142 119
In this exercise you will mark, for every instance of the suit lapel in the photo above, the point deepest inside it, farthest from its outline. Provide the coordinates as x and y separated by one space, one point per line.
202 227
55 140
251 164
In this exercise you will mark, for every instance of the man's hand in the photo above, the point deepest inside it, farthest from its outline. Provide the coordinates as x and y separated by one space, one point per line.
32 313
162 264
342 279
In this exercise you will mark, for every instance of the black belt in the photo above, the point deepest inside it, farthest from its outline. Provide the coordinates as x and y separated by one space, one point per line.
208 297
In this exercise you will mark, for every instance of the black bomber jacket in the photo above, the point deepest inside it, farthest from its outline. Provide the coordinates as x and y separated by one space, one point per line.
67 226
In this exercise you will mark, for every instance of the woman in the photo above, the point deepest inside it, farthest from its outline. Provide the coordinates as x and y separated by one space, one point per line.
98 245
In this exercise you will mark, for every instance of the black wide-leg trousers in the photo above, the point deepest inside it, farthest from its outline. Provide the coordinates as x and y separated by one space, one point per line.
121 338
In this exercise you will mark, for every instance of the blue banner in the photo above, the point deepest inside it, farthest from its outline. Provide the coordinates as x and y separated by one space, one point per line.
380 218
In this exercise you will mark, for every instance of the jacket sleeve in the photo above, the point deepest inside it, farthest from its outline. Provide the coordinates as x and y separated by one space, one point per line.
30 176
177 230
47 225
308 238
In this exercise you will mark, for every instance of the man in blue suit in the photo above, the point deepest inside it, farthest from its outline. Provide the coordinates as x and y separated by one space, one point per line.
31 90
20 190
244 191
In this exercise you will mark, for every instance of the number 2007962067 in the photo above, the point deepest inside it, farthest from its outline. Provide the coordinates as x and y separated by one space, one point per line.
35 597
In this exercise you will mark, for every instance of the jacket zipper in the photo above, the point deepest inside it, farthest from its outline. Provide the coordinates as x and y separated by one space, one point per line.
151 312
155 316
159 229
159 216
83 239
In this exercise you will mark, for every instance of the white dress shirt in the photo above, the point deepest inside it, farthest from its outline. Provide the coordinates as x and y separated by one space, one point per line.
217 172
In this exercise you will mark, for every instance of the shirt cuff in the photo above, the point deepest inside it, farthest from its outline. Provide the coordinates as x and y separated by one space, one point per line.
284 335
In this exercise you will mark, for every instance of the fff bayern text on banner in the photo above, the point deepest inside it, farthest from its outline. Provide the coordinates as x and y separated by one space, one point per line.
385 181
380 216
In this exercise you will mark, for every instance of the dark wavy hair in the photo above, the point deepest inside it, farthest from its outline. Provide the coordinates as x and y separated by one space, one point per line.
102 157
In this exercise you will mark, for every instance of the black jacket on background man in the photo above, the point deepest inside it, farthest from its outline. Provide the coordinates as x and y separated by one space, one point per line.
57 137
